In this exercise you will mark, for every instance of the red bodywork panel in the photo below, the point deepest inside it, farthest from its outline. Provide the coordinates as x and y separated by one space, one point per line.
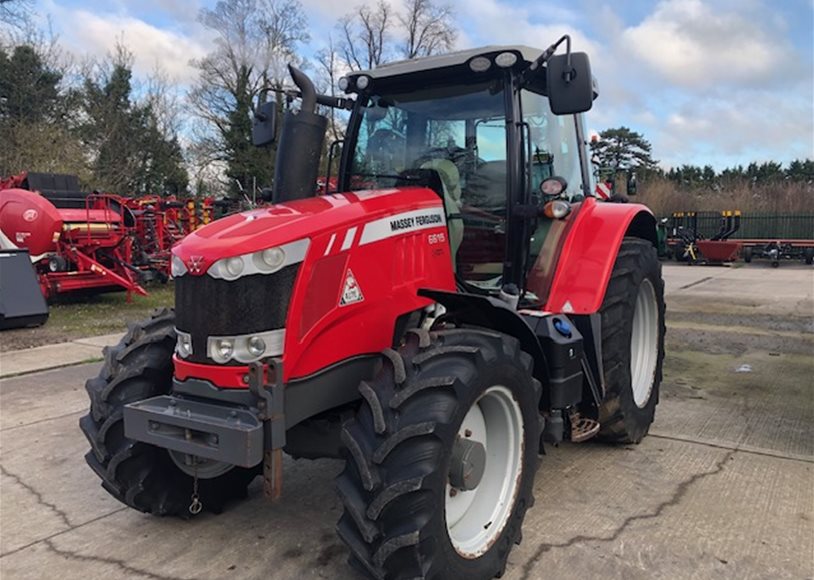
30 221
348 232
588 254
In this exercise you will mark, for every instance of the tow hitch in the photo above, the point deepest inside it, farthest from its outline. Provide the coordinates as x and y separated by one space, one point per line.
271 411
214 432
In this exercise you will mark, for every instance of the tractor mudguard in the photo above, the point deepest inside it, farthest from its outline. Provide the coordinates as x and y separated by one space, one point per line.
589 252
492 313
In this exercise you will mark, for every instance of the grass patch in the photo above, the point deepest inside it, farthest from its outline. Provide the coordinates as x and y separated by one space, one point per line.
83 316
107 313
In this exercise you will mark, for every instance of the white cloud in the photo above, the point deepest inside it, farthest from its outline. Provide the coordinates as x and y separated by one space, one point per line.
693 44
707 82
85 33
745 127
496 22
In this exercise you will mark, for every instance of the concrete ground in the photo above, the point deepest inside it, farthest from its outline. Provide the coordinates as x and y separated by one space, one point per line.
722 487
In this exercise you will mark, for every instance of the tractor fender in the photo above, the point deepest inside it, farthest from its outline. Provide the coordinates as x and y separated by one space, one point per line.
495 314
589 252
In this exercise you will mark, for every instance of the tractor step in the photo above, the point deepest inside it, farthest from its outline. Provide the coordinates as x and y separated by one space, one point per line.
582 428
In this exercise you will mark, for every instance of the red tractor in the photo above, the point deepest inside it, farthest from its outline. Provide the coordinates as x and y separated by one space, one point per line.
433 330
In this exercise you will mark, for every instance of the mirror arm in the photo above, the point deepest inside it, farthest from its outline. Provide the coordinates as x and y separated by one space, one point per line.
325 100
549 52
335 102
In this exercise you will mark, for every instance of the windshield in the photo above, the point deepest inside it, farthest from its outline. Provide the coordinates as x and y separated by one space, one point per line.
398 132
456 136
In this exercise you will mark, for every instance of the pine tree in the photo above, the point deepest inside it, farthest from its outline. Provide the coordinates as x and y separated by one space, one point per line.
623 149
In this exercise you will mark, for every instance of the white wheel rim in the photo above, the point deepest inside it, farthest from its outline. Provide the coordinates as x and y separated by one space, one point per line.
644 344
476 518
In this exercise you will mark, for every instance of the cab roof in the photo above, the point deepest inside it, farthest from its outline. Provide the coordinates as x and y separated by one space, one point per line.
442 61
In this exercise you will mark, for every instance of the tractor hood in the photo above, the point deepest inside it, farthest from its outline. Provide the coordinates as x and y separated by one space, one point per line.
276 225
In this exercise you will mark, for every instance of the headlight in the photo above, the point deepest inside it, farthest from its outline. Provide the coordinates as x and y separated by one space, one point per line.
223 350
505 59
557 209
177 266
271 259
183 347
234 266
363 82
256 346
553 186
343 84
246 348
480 64
265 261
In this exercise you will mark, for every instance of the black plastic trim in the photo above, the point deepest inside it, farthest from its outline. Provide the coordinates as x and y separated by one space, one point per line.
492 313
306 397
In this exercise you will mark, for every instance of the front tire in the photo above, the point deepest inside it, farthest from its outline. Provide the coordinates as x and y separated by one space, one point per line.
139 475
632 343
402 518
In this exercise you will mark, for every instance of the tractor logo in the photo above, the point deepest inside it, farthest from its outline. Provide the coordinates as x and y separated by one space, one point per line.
30 215
196 264
351 292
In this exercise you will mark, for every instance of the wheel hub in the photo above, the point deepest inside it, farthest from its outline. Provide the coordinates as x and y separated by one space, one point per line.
200 467
467 465
485 470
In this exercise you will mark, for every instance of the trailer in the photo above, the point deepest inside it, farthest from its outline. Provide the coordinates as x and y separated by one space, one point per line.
773 237
778 250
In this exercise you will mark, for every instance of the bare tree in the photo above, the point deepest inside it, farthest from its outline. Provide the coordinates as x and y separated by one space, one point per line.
164 100
328 70
429 28
255 41
365 33
15 14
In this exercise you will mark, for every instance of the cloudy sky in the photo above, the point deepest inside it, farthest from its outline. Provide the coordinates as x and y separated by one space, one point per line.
706 81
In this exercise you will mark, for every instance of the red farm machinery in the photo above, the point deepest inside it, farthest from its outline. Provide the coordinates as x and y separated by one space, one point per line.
93 242
772 237
433 327
77 240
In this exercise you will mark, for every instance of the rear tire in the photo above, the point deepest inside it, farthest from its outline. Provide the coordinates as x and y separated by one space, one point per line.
632 330
395 487
139 475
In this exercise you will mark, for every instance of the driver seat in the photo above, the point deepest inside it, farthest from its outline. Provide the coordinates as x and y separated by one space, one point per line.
451 181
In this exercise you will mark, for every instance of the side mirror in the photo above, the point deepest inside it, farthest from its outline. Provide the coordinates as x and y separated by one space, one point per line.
570 88
631 184
264 129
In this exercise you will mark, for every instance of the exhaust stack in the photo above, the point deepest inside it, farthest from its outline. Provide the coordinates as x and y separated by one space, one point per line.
300 146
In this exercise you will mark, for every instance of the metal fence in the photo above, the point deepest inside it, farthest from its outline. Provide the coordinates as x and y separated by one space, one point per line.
758 225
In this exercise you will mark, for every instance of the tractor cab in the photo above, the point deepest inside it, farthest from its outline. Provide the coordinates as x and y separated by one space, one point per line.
477 127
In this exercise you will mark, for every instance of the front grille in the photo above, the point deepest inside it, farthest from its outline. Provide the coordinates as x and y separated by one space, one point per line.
206 306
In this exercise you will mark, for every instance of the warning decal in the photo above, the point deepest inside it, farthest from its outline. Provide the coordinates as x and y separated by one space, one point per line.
351 293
